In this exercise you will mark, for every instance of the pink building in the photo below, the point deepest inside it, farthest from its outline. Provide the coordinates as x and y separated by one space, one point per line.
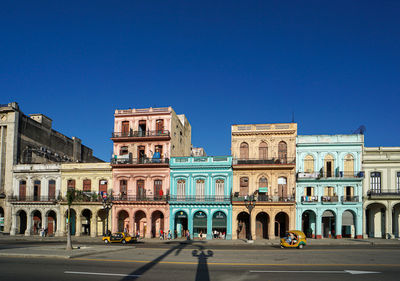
144 140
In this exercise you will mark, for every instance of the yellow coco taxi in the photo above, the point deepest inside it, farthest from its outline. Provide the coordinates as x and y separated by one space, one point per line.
118 237
294 239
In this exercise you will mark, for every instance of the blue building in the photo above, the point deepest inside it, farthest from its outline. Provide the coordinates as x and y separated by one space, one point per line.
329 185
200 196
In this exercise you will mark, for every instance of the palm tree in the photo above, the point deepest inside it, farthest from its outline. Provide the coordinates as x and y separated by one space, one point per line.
70 199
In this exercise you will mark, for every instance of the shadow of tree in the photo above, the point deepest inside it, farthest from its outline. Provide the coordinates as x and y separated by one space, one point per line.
202 272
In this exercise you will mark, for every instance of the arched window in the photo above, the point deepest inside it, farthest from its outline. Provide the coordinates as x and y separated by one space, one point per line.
263 182
349 165
200 190
282 152
181 190
263 151
309 164
219 189
329 166
244 151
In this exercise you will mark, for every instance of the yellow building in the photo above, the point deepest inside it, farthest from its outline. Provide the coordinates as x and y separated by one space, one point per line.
264 167
91 180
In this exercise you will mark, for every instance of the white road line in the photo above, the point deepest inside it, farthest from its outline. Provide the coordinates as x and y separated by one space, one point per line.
100 273
313 271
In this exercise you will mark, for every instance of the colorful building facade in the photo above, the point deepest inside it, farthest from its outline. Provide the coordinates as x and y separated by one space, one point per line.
381 192
200 197
329 185
144 140
263 166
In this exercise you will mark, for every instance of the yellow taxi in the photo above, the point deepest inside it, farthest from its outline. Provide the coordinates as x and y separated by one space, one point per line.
294 239
119 237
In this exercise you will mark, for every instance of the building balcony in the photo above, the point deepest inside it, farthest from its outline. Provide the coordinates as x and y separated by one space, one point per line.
329 199
330 175
265 198
141 135
140 198
128 161
32 199
267 161
350 199
384 194
177 162
309 199
199 199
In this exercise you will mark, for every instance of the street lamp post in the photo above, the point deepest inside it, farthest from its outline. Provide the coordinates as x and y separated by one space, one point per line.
107 205
250 203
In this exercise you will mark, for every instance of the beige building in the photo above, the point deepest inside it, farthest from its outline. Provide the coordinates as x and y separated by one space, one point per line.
264 166
381 192
91 180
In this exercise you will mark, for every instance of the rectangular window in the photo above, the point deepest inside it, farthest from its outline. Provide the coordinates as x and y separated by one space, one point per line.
87 185
71 184
398 182
219 189
103 186
200 190
125 128
181 190
52 189
244 186
375 182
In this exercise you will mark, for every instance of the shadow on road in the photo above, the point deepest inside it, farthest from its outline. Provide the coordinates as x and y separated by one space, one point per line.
202 272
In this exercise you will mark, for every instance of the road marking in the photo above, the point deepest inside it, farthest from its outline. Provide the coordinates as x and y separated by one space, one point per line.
236 264
313 271
100 273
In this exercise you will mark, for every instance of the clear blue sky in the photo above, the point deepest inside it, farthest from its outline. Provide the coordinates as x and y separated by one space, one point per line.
336 64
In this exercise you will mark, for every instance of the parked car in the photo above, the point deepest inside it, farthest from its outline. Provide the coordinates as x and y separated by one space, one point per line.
119 237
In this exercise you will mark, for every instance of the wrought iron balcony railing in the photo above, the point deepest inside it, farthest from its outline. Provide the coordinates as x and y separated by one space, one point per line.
329 199
384 192
350 199
341 174
272 161
309 199
138 161
141 134
199 198
139 198
17 198
265 198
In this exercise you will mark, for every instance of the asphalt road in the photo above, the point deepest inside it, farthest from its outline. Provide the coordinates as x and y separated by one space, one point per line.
194 261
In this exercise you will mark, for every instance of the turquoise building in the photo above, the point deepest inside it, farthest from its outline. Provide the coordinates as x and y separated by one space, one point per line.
200 196
329 185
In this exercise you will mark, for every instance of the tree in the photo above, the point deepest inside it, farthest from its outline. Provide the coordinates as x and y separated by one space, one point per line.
70 199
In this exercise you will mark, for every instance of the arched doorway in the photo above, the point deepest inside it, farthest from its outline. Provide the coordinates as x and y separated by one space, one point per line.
123 220
328 224
141 223
375 216
262 221
72 225
1 219
199 224
219 225
51 223
243 228
37 222
308 223
157 223
281 224
21 222
348 224
181 224
86 219
102 222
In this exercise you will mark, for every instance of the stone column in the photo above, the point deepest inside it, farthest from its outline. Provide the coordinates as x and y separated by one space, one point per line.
271 227
388 222
93 225
60 217
364 223
253 224
148 226
14 227
338 227
28 230
78 226
234 225
318 225
44 221
209 226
